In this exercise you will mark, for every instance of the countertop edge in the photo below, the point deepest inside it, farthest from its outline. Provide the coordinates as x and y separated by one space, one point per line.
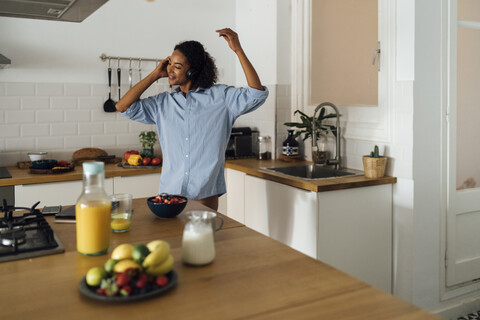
253 167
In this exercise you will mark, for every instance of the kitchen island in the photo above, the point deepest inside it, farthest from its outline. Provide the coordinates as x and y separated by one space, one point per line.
252 277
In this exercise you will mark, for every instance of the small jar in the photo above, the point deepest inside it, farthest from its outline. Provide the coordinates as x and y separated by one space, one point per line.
264 148
290 146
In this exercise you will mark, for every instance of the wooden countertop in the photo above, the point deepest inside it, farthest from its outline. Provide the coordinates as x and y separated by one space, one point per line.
23 176
252 167
252 277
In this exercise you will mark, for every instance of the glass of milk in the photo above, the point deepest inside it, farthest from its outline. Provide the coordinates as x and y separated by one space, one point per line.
198 245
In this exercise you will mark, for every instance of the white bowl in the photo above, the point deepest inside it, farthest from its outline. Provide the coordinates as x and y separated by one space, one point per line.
34 156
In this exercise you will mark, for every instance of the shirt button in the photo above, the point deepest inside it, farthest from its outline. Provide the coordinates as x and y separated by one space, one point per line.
186 156
186 173
186 139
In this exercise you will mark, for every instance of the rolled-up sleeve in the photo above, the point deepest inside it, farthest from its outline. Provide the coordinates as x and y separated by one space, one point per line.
244 100
143 110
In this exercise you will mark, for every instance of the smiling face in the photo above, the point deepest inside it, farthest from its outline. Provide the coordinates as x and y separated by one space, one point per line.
177 69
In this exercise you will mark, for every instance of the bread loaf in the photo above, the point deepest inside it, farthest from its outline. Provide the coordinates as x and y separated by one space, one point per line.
88 153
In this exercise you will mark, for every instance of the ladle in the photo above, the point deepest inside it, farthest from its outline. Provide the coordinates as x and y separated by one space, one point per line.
109 105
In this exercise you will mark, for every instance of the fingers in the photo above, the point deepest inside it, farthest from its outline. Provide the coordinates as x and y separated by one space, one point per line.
227 33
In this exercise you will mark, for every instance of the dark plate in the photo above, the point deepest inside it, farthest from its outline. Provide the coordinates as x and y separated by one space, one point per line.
90 291
127 166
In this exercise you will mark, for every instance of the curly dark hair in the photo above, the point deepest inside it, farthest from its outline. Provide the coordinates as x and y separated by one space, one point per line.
202 65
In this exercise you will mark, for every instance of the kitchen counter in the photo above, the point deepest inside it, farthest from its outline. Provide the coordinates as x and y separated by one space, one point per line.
23 176
252 277
252 167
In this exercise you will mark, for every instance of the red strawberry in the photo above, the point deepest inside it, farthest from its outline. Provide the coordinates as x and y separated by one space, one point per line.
123 279
101 291
161 281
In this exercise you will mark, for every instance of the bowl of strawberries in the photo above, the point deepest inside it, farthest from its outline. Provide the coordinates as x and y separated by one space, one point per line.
167 205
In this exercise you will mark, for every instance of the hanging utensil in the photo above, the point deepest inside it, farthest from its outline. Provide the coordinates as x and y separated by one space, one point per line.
119 77
109 105
140 70
130 74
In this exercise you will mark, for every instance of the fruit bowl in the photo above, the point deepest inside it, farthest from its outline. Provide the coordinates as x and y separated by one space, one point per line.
166 205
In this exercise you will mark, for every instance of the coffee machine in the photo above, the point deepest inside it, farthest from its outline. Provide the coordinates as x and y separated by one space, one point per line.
243 143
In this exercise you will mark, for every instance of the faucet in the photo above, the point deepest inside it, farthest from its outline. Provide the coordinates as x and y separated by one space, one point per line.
335 161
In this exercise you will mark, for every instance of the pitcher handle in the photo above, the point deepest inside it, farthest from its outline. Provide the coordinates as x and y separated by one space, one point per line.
221 223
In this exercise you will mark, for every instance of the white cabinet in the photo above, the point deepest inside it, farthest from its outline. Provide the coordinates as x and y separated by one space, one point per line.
140 186
349 229
235 195
284 213
355 233
53 193
67 193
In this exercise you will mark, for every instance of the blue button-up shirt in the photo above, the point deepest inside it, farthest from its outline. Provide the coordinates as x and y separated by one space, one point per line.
193 132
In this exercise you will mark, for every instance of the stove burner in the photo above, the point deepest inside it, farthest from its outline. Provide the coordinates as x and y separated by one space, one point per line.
25 235
12 237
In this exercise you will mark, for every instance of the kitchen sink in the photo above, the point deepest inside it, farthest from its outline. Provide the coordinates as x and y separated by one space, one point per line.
313 171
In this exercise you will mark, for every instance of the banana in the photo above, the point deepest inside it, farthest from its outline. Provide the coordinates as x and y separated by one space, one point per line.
123 265
153 245
158 256
122 251
163 268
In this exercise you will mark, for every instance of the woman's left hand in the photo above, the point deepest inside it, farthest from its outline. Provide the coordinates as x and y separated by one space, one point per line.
231 37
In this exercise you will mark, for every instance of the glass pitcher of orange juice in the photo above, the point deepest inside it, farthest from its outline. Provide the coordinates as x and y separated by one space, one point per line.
92 212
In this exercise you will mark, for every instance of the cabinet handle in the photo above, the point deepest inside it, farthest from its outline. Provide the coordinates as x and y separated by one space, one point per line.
376 56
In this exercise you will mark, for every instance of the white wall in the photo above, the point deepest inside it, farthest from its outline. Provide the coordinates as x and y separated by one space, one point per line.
52 95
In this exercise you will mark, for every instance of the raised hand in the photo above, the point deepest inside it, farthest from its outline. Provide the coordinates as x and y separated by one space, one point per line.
231 37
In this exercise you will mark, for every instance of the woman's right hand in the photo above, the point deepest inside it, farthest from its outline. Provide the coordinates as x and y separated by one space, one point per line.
161 70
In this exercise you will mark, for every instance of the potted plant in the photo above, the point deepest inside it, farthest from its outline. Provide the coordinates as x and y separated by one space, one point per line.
319 153
148 139
374 164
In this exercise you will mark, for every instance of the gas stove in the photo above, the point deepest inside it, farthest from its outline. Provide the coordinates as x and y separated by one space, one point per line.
26 235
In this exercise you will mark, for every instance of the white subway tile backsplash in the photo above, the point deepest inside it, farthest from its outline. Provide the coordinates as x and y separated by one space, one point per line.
90 128
63 102
130 140
103 140
77 142
100 90
77 89
100 115
20 89
116 127
9 102
49 89
2 116
35 102
2 89
95 102
63 129
48 116
137 127
19 116
77 116
9 130
35 130
20 144
50 143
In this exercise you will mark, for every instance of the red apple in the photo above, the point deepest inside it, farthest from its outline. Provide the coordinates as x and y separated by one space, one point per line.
146 161
156 161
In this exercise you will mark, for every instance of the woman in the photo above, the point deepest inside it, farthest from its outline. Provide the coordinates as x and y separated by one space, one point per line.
195 121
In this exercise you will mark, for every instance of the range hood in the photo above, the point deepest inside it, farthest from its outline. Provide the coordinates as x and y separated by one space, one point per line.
59 10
